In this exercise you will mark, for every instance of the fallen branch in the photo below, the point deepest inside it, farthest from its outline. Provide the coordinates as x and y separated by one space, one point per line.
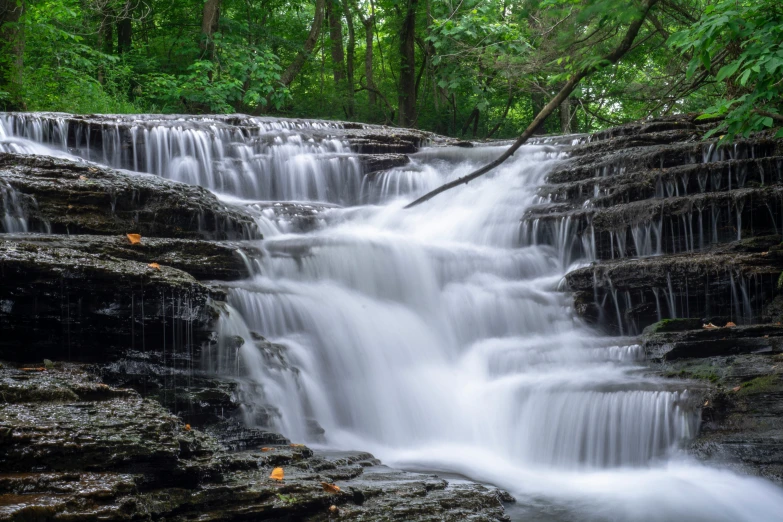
550 107
776 117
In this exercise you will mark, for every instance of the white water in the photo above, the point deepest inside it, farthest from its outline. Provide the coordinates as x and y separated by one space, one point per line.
434 339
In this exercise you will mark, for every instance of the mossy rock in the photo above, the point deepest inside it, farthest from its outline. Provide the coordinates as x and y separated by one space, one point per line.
673 325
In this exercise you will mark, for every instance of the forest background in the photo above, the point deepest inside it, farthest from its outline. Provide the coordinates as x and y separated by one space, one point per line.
472 68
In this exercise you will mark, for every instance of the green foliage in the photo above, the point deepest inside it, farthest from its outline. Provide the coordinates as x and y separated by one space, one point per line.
741 44
482 66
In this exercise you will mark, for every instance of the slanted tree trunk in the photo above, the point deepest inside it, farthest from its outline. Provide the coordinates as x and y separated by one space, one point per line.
473 114
407 83
312 38
502 117
12 51
351 56
210 20
613 57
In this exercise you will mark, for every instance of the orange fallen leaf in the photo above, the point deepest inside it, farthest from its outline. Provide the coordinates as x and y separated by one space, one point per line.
297 445
36 369
729 325
277 474
187 427
330 488
156 266
333 509
709 326
766 337
83 178
764 253
135 239
264 450
706 403
736 388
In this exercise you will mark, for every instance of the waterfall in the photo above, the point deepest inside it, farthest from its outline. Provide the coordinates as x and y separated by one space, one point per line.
434 337
14 218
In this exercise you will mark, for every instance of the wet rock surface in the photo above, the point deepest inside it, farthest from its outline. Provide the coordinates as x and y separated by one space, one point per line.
66 304
684 246
738 374
676 226
204 260
73 448
64 196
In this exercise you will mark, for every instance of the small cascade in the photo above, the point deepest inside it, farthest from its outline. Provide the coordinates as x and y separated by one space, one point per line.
437 337
14 218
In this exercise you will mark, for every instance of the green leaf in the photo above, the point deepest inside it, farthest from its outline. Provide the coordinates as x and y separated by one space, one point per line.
745 76
728 70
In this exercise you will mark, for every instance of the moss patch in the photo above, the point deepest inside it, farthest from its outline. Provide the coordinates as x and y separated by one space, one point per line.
702 372
673 325
759 385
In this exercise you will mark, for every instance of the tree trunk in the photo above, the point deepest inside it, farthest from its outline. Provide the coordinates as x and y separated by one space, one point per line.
312 38
107 31
612 58
125 29
336 37
209 25
12 51
565 116
537 101
368 55
351 56
502 118
407 84
473 114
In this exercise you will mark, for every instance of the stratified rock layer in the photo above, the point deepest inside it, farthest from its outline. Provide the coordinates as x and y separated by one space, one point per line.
72 448
68 197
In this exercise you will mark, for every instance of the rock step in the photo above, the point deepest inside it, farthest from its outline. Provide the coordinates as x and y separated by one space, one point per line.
657 226
122 139
623 161
625 296
204 260
67 304
740 389
67 197
682 180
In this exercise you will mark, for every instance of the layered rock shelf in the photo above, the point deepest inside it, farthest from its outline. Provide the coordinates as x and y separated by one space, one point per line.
74 448
679 239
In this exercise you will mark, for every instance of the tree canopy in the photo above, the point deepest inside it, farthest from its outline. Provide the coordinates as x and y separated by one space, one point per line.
474 68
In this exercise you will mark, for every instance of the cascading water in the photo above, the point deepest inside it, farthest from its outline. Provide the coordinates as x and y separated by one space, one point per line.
436 337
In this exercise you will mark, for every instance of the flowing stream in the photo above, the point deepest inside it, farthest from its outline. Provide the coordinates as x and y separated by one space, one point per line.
435 338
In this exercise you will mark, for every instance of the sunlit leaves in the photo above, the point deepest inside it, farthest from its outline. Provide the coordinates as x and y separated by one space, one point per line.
744 41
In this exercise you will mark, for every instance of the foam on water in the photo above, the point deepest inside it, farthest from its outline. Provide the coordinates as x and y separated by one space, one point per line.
437 338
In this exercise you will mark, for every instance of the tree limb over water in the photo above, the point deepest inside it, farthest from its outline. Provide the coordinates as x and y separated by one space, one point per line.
610 59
